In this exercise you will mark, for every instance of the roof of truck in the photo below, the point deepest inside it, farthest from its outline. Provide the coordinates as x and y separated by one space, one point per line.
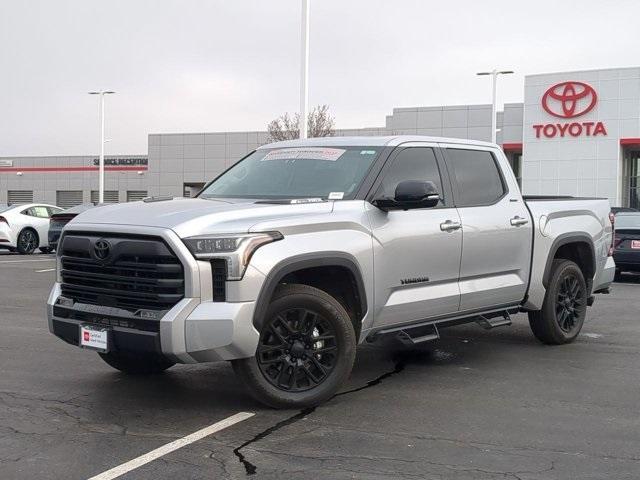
389 141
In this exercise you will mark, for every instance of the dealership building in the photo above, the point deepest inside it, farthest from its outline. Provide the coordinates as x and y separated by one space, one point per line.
576 133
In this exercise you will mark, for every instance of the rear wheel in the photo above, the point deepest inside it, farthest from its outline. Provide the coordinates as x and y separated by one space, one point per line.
137 363
27 241
306 350
565 305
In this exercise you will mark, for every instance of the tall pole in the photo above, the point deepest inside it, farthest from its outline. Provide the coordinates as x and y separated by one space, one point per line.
304 72
102 93
101 165
494 120
494 113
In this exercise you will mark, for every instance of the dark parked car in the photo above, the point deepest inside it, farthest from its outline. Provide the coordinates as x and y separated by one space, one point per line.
626 244
59 220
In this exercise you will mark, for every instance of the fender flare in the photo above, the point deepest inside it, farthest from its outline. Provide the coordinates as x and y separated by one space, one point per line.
564 239
299 262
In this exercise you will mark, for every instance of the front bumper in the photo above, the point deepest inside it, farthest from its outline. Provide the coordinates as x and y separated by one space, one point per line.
194 330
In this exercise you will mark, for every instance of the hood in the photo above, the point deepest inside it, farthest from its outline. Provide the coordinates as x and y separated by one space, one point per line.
194 216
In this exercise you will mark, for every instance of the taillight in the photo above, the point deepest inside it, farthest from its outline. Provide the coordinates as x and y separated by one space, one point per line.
612 219
4 220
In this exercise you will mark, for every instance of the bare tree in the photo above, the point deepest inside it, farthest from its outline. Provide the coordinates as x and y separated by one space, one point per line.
286 127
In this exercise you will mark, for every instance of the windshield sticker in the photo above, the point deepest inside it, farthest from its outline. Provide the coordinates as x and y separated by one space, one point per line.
296 201
367 152
330 154
336 195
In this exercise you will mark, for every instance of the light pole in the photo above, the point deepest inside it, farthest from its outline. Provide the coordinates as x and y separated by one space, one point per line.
494 73
304 70
102 93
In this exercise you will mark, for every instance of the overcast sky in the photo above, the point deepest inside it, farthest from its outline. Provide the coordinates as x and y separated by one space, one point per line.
223 65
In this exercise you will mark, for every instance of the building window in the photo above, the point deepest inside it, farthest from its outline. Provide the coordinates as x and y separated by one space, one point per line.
191 189
68 198
135 195
631 179
110 196
18 197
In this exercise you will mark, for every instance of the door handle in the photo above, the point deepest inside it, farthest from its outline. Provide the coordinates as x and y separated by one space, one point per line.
518 221
450 226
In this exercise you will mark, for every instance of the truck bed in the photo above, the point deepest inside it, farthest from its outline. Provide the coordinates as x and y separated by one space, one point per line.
558 218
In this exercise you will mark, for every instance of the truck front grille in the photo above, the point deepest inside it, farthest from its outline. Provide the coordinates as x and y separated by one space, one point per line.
135 272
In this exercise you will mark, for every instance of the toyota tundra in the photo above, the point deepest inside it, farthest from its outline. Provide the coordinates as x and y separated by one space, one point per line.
304 249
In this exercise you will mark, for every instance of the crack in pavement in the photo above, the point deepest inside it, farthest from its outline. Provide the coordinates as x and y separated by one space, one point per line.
251 469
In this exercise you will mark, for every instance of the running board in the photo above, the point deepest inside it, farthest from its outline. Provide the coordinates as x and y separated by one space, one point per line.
489 323
416 335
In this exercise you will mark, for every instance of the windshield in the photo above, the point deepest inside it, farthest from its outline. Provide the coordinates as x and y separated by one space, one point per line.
299 172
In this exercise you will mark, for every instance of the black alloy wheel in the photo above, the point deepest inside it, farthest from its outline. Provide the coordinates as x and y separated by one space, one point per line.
298 350
564 308
569 302
27 241
305 351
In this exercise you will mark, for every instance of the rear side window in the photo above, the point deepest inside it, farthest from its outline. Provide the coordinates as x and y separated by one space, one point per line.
477 176
413 163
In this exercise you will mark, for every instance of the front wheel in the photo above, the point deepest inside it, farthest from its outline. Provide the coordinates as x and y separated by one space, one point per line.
306 350
137 363
565 305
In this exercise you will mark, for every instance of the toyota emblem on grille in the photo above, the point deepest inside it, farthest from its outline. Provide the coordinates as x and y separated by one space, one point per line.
102 249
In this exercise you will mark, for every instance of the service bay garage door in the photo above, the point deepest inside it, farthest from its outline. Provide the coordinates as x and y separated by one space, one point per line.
19 197
68 198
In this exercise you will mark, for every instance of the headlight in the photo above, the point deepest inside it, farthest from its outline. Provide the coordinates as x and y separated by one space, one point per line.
236 249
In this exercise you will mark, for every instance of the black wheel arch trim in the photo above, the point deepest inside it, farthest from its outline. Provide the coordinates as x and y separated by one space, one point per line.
565 239
300 262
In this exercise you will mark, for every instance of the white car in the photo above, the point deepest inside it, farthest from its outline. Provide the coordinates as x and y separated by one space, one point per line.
25 227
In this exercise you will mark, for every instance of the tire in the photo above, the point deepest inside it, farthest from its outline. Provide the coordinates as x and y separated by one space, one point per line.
27 242
137 363
565 305
305 353
46 249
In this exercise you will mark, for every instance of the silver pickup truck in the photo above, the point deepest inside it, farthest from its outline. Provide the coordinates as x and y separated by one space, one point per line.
304 249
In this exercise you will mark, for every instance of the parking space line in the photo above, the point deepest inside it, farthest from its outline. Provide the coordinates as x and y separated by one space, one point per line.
46 270
170 447
28 261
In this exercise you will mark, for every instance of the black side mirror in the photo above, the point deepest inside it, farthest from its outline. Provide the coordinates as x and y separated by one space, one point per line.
411 194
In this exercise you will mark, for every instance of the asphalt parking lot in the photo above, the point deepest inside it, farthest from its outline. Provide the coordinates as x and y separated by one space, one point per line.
474 405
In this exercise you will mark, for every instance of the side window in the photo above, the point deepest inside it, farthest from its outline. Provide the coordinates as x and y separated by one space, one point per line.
412 163
29 211
40 212
477 176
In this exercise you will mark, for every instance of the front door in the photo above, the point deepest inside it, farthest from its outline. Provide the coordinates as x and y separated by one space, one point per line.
416 252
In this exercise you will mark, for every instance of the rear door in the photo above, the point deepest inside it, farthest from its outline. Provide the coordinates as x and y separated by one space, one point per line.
416 252
496 228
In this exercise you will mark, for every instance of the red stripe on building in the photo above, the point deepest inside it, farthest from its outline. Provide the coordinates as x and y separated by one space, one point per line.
71 169
512 147
630 141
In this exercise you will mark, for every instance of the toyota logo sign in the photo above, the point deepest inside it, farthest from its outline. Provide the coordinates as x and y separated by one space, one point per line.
569 99
102 249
